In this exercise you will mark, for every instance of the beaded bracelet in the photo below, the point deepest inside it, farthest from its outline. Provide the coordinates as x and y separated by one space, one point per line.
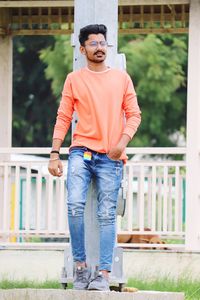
54 159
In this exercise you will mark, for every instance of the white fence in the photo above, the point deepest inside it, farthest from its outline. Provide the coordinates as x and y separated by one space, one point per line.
33 203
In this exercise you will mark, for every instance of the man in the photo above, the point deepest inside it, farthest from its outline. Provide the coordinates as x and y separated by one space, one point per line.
104 98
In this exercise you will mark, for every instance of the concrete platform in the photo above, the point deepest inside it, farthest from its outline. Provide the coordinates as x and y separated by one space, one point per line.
41 294
42 265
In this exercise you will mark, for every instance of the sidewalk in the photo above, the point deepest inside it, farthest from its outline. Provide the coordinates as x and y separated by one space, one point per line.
35 294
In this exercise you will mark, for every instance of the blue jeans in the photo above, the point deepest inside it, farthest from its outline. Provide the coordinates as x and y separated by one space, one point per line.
108 176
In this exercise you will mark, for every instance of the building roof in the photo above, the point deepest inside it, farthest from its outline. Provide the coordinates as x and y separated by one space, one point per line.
57 16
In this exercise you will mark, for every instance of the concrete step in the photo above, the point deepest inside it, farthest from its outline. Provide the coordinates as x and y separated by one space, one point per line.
56 294
40 265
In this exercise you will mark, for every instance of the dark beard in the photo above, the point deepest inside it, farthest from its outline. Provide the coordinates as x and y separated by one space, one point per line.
94 60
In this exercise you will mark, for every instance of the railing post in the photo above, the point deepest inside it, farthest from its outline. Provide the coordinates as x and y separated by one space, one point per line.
193 137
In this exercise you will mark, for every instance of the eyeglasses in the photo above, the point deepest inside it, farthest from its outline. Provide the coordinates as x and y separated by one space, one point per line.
95 44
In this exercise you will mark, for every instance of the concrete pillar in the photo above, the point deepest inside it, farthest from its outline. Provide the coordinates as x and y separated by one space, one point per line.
5 82
5 92
193 132
5 100
94 12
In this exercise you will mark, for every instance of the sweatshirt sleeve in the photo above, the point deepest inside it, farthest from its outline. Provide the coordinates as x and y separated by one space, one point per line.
131 109
65 111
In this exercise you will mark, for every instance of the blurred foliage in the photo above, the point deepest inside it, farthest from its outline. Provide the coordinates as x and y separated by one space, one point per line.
156 63
59 62
34 105
35 96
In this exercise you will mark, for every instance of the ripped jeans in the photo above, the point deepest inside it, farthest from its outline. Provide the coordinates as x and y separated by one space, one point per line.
108 176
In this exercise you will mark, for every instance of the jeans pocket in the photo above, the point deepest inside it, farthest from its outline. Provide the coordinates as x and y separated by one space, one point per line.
116 160
76 148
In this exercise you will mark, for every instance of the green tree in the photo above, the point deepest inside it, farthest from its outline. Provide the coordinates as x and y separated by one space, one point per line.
34 105
58 60
157 65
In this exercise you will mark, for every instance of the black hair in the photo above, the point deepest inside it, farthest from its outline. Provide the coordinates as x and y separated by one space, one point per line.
91 29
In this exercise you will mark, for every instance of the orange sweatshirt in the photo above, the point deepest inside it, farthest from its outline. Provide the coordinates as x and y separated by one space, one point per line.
106 106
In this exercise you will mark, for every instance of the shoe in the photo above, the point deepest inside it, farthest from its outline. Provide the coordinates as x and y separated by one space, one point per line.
99 283
81 278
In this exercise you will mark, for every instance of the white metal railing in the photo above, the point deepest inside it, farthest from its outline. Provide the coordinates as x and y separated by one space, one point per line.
155 197
33 203
33 200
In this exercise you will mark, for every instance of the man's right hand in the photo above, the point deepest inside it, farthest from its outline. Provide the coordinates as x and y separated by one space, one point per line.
55 167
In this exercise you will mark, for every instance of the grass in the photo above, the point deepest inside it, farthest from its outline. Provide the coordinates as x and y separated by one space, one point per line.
22 284
187 286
